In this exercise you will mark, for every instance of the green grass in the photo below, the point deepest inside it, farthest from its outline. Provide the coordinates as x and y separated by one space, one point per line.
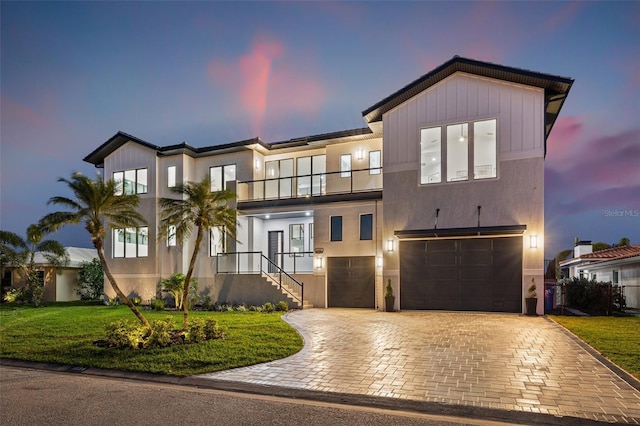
617 338
65 333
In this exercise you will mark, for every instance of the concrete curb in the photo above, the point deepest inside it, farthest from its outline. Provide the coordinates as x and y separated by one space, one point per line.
433 408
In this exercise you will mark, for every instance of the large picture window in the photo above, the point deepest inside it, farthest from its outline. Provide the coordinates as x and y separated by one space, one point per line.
129 182
131 242
484 149
458 146
221 175
431 155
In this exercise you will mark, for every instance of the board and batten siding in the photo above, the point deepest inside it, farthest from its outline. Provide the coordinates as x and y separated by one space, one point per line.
133 156
462 98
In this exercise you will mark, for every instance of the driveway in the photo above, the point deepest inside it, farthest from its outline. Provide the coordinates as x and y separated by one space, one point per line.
501 361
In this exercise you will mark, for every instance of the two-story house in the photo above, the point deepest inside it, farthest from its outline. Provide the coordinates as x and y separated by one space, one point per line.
443 193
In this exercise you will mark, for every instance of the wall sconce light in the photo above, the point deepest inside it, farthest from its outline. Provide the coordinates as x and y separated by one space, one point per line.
379 261
319 262
390 245
360 154
533 241
257 164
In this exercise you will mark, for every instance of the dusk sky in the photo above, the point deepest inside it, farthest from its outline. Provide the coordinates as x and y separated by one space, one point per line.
74 73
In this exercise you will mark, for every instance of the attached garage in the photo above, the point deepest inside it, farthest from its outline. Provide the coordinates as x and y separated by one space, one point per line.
351 282
466 274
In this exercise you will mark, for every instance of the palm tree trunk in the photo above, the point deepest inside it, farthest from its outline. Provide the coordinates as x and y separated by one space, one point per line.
98 245
187 280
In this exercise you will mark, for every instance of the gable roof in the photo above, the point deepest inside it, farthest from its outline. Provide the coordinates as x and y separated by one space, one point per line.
556 88
120 138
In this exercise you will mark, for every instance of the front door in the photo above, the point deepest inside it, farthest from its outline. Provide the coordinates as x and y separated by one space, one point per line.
275 249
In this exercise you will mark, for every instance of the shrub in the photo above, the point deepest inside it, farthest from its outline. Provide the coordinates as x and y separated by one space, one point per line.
268 307
113 301
282 306
91 280
174 285
124 334
136 300
589 295
157 304
15 295
212 330
240 308
254 308
196 333
161 336
207 304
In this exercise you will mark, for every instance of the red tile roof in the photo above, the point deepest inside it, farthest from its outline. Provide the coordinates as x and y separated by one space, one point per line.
614 253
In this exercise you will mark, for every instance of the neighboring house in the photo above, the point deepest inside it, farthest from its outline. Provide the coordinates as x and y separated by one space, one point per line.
457 225
618 265
60 285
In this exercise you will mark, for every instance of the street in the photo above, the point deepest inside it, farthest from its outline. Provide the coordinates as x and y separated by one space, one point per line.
30 397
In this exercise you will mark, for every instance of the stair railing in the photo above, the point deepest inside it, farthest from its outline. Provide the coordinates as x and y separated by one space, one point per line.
280 276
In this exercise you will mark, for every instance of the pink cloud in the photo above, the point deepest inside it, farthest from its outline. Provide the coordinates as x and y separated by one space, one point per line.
563 17
563 139
266 82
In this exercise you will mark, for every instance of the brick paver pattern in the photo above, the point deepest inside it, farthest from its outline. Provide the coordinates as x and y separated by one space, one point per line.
503 361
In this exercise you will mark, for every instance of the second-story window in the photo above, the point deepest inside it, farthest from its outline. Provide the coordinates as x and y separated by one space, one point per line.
345 165
374 162
130 182
366 227
171 176
221 175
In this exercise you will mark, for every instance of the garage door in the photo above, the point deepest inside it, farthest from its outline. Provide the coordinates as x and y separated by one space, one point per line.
482 274
351 282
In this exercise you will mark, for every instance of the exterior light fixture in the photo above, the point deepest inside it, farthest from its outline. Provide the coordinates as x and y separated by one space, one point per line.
319 262
267 216
533 241
360 154
390 245
379 261
257 164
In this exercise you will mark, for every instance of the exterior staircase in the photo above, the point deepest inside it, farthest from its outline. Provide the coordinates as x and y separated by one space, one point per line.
291 295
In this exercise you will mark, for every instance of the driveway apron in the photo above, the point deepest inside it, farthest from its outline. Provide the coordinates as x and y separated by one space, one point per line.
501 361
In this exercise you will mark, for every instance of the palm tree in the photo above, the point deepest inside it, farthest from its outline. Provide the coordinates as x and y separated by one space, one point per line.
624 241
96 205
196 205
20 253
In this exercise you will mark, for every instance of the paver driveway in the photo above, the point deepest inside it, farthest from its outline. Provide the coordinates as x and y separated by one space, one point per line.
502 361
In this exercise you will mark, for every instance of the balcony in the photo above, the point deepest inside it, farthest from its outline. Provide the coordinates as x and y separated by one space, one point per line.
304 187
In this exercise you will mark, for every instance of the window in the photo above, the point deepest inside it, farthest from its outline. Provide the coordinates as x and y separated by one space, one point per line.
221 175
171 236
130 182
430 155
311 246
131 242
296 238
318 180
366 227
279 175
336 228
485 152
374 162
345 165
484 149
171 176
303 172
616 277
217 241
457 152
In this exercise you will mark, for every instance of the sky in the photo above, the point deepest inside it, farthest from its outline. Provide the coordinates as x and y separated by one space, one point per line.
72 74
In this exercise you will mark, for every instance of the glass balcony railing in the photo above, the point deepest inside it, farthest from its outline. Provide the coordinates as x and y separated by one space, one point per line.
343 182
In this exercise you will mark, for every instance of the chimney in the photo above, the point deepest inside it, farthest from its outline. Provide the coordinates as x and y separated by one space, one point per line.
582 248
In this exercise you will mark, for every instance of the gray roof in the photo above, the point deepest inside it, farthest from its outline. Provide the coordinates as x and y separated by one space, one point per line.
556 88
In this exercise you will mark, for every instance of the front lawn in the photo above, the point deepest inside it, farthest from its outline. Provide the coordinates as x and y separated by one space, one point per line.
65 335
617 338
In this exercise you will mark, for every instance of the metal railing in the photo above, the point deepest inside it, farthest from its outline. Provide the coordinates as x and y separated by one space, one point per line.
313 185
295 262
255 262
286 282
